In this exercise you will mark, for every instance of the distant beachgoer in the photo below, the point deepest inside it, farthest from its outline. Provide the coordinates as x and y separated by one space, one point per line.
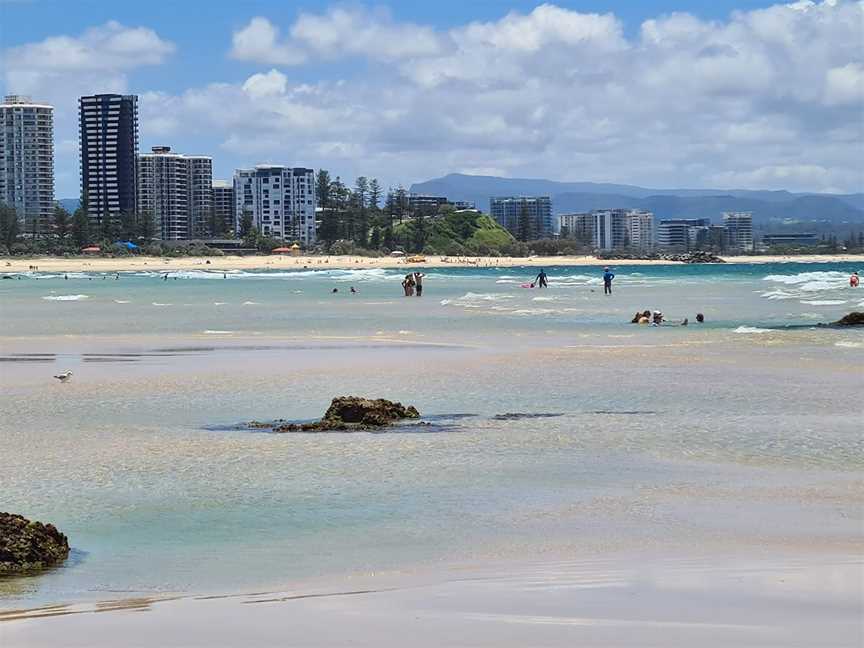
608 276
541 279
685 322
636 318
853 280
224 275
645 317
353 290
700 317
66 277
418 283
165 278
408 285
335 290
657 318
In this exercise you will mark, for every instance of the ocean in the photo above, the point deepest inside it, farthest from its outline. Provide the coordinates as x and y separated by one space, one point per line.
556 427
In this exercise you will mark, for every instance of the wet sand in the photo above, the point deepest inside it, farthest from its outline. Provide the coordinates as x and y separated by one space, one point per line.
280 262
734 600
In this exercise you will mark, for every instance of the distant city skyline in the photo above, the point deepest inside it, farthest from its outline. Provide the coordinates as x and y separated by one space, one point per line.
742 94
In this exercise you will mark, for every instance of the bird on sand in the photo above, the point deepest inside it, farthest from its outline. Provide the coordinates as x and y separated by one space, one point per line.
64 377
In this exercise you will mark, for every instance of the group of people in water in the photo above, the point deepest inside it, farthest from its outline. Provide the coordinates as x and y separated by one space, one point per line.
656 318
412 284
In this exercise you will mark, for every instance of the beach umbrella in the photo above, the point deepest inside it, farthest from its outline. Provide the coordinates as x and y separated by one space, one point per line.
91 249
129 245
281 250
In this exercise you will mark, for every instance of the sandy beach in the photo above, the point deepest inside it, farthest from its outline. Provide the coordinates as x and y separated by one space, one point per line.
227 263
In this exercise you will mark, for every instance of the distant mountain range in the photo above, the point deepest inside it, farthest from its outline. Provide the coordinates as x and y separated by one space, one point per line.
770 208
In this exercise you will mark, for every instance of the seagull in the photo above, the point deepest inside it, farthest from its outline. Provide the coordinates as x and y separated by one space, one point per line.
64 377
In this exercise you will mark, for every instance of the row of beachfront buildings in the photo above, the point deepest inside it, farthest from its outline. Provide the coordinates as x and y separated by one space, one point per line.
184 201
177 191
634 229
530 217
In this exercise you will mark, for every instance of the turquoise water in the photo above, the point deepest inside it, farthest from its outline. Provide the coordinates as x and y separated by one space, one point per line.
741 433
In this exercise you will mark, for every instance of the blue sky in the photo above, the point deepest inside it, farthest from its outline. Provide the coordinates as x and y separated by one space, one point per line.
702 94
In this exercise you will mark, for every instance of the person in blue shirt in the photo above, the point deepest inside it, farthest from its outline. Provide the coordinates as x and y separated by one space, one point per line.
607 281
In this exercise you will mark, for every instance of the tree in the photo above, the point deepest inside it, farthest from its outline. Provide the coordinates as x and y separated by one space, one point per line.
62 220
147 226
375 194
80 227
401 201
361 192
8 225
128 226
246 224
323 188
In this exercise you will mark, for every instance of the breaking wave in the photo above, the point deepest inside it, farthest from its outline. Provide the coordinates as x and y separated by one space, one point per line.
66 297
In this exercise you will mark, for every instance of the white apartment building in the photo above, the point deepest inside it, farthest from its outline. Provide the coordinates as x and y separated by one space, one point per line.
616 229
27 161
281 201
739 230
109 155
176 191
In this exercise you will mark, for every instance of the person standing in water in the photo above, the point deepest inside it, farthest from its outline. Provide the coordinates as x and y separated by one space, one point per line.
853 280
418 283
540 281
607 281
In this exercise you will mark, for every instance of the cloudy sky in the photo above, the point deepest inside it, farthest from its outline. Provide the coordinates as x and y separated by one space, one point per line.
741 94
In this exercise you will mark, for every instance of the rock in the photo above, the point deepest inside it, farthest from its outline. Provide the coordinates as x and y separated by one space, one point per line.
351 413
26 545
855 318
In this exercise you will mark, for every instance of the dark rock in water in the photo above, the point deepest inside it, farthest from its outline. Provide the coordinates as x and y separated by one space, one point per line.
697 256
351 413
26 545
855 318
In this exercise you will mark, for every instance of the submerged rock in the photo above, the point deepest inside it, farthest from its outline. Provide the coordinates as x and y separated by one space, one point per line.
352 413
855 318
26 545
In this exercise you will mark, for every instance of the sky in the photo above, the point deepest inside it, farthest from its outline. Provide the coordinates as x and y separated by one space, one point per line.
713 94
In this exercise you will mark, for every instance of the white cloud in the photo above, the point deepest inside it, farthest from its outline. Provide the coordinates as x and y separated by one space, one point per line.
766 98
845 85
338 33
259 41
267 84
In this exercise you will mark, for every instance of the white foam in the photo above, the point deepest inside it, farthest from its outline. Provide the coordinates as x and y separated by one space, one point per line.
121 301
848 344
250 303
544 299
161 304
825 302
66 297
214 332
219 303
751 329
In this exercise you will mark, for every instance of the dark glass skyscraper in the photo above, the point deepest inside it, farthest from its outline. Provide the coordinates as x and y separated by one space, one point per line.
109 154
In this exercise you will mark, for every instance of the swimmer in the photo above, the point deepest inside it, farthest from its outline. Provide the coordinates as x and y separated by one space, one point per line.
853 280
700 318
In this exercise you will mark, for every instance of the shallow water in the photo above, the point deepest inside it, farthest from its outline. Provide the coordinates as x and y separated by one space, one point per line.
738 434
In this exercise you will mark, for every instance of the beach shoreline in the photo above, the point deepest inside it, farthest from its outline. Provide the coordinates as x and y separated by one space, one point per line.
231 263
615 600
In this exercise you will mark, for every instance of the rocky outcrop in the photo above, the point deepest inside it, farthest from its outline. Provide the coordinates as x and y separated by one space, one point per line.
350 414
697 256
855 318
26 545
